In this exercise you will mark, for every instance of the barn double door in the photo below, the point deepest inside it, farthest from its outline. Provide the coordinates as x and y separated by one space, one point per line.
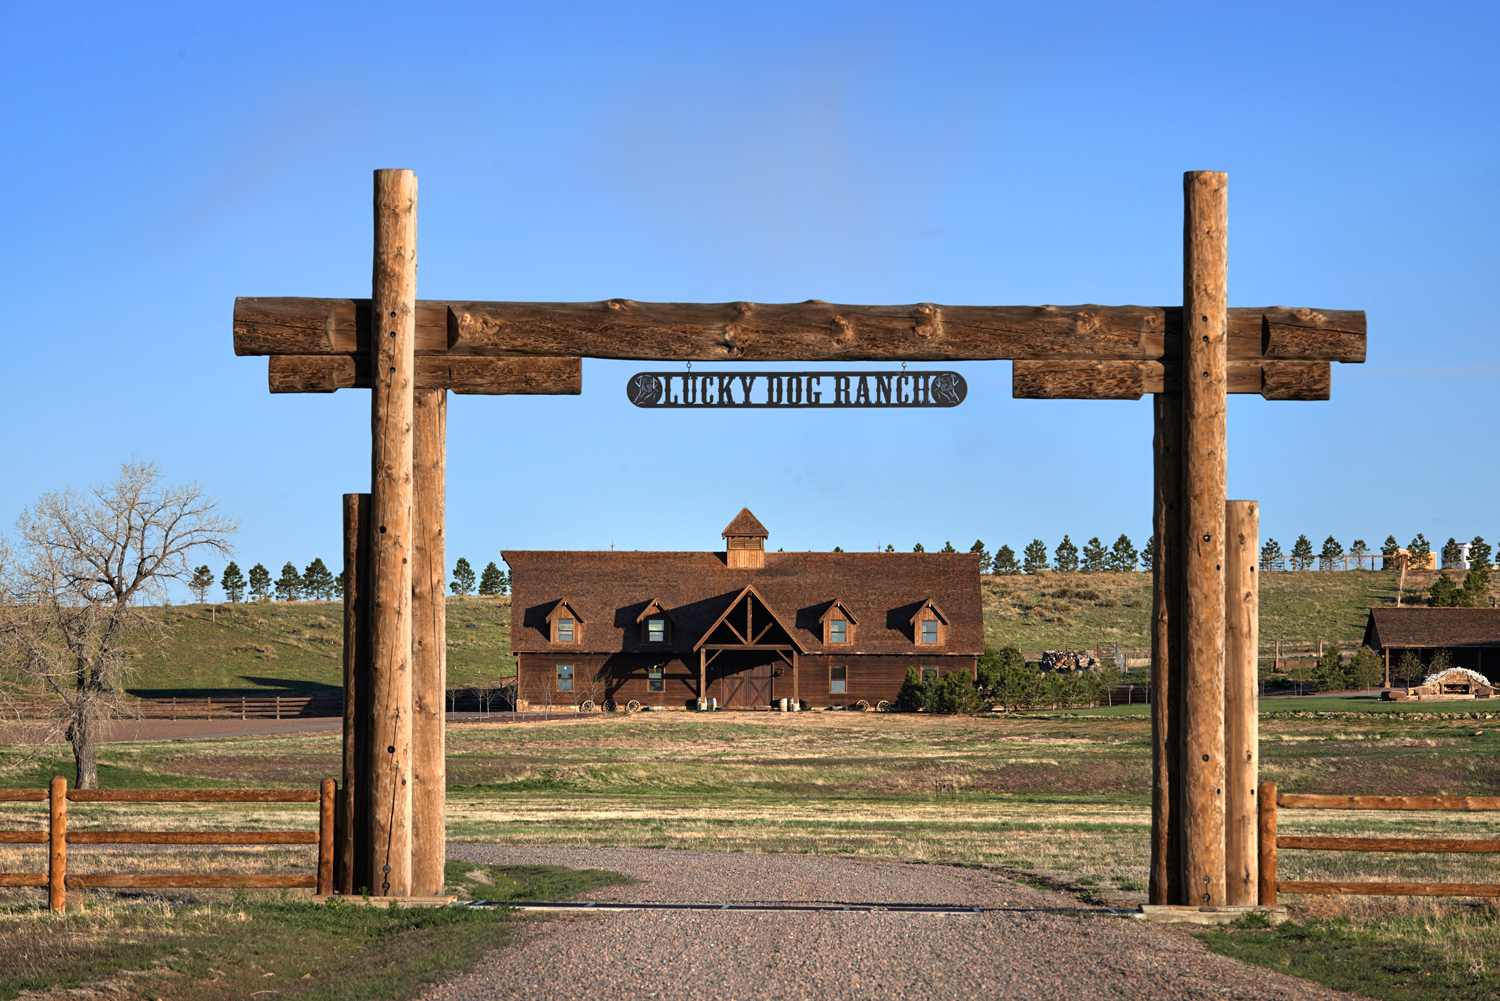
742 681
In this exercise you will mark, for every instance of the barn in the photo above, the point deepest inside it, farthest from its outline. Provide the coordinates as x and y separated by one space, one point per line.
1470 635
742 626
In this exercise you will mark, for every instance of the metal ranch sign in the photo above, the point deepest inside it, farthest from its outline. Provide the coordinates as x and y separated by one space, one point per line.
796 389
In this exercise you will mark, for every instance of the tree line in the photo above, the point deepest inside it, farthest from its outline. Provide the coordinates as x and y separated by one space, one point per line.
316 583
1005 680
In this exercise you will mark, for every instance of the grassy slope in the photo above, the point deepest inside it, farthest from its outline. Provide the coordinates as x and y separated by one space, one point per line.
1086 610
296 648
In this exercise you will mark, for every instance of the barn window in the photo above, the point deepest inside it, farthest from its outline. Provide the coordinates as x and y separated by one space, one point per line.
929 631
838 631
654 681
564 677
929 674
564 630
656 630
838 680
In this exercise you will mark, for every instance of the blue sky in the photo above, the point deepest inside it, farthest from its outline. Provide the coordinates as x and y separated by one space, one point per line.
165 158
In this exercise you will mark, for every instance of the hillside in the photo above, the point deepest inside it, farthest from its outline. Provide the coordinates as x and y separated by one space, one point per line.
297 647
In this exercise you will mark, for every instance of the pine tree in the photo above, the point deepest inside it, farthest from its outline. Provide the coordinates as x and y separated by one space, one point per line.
1359 548
1480 553
463 577
1419 552
948 547
918 548
1065 557
317 582
838 549
1329 674
233 582
489 580
1271 556
890 548
1034 560
260 582
985 563
289 584
1302 554
1332 549
1095 556
1389 550
1122 555
338 584
1446 594
1148 555
1005 562
203 579
1449 559
505 582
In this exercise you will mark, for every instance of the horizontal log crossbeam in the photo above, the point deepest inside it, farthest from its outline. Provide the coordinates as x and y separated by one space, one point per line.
1061 352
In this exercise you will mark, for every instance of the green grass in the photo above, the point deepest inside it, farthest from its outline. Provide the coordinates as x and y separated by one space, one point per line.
1052 610
1395 958
282 948
1315 703
296 648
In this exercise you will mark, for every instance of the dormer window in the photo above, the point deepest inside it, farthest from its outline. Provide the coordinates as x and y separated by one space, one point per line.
655 623
838 624
565 625
929 626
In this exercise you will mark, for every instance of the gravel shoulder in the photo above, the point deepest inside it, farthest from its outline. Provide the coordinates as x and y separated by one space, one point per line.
1023 953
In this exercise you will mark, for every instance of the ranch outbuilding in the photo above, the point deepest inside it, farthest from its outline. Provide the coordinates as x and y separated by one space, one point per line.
1470 635
743 627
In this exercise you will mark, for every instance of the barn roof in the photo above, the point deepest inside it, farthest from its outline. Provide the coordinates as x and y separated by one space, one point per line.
1427 628
610 589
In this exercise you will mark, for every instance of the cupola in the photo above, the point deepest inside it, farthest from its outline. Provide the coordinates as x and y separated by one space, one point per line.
745 542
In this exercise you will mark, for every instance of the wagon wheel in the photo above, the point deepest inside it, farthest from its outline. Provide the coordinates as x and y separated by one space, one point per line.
609 705
632 706
882 706
587 706
862 706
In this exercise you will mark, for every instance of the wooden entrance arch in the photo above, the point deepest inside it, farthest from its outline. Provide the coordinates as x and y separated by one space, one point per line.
410 352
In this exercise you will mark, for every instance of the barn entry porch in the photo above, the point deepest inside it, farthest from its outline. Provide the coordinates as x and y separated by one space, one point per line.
748 647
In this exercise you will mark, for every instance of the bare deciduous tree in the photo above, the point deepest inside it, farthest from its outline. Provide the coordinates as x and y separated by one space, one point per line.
85 565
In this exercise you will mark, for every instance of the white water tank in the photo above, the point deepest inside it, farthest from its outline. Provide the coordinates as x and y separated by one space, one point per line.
1463 555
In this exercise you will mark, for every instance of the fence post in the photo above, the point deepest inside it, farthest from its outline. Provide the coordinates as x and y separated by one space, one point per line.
57 856
325 837
1266 835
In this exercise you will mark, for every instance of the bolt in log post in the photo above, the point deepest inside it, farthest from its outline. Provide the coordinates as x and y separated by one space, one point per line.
353 844
1166 652
1205 323
429 646
57 848
393 330
1241 725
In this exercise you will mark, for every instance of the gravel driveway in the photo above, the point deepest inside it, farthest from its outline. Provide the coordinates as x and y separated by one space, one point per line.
681 955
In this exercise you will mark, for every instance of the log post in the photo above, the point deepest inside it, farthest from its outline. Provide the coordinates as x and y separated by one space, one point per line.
1266 837
393 330
57 847
353 842
429 646
327 792
1166 652
1241 690
1205 323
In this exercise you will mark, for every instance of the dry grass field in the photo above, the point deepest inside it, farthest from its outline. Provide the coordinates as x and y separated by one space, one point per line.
1061 801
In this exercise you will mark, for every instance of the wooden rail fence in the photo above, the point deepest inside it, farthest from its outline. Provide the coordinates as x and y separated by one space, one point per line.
1269 843
57 837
